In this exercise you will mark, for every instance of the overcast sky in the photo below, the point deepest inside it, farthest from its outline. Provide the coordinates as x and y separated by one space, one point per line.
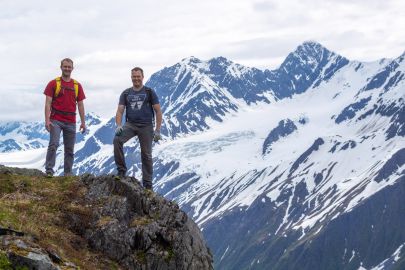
106 39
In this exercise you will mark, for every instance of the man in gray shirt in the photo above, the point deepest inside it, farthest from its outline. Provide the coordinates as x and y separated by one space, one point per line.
141 104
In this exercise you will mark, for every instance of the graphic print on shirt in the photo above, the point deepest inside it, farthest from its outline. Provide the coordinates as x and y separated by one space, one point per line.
136 101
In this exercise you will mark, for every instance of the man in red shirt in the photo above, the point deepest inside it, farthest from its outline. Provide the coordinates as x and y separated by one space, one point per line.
62 95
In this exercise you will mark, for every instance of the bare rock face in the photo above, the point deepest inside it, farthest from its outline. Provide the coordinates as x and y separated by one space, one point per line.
138 228
22 251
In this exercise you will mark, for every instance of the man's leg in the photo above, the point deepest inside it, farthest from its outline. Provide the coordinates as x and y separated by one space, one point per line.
69 140
54 136
127 133
145 135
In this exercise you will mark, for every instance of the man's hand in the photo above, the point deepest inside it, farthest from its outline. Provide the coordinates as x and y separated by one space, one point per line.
48 125
156 136
82 128
118 131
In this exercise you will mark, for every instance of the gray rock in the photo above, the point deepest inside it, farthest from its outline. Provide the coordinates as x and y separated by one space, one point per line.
23 252
138 228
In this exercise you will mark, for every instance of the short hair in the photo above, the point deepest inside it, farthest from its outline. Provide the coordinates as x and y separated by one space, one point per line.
67 60
137 69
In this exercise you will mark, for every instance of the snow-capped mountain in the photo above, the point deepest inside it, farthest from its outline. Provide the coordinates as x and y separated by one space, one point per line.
301 167
194 93
24 144
21 136
17 136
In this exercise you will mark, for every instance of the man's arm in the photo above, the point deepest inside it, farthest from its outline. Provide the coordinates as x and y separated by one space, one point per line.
80 106
48 103
158 113
119 114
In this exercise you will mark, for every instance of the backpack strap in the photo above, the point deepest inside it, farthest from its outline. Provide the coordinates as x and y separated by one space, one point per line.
76 86
59 87
56 94
149 93
126 103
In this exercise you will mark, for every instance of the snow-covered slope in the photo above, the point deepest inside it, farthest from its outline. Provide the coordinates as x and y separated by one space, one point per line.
274 165
24 144
17 136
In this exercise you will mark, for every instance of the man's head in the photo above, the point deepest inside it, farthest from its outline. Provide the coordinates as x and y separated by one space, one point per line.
66 65
137 77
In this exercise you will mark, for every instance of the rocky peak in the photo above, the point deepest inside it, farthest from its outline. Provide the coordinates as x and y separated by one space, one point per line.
192 62
309 64
309 54
220 61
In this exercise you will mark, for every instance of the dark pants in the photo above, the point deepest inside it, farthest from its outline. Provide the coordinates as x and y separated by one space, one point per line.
145 136
69 139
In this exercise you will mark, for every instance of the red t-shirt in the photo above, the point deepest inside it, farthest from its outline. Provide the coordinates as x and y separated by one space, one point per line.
66 100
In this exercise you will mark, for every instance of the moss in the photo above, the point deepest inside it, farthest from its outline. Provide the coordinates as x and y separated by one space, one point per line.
6 185
5 264
156 215
170 255
104 220
113 266
67 182
141 257
21 268
141 221
8 217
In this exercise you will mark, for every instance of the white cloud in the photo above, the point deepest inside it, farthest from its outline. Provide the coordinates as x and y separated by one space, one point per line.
106 39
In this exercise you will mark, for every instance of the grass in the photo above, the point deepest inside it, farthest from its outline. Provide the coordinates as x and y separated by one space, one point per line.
5 264
38 205
104 221
141 221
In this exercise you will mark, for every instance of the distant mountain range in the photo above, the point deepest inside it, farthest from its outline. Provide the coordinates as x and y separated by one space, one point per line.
16 136
301 167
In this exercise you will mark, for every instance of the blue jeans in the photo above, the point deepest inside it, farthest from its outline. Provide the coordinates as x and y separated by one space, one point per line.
69 139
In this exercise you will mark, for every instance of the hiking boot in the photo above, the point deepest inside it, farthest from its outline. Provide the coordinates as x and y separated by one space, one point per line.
49 175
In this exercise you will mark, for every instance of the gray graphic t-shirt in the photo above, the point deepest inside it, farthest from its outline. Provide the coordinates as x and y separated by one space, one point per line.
139 105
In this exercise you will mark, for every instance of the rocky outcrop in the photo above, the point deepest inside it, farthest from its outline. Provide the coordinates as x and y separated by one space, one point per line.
116 220
138 228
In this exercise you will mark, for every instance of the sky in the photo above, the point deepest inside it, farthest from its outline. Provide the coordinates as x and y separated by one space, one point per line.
106 39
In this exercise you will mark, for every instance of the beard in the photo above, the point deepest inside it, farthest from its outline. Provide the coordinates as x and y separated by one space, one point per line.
66 73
